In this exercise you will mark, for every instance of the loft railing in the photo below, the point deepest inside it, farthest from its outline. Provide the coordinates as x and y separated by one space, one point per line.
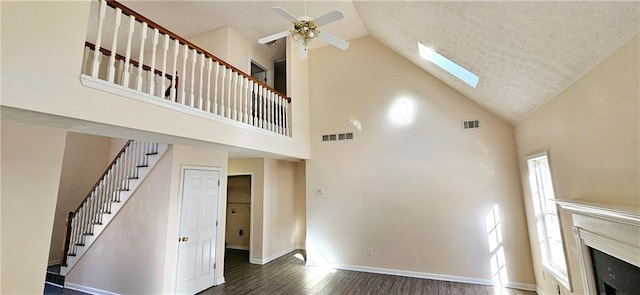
207 83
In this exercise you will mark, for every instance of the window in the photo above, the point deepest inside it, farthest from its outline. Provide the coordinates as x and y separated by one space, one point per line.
546 218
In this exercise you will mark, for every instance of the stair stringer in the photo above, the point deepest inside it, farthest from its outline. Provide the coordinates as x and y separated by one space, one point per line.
153 159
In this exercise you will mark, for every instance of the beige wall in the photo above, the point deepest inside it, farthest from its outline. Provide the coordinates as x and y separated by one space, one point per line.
417 194
257 170
277 221
129 255
279 208
227 44
192 156
137 253
238 197
591 132
31 164
300 187
85 159
62 26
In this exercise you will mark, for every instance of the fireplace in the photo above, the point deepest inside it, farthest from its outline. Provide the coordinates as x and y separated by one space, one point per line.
608 241
613 276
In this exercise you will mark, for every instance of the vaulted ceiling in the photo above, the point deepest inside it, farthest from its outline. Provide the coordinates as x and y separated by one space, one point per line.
524 52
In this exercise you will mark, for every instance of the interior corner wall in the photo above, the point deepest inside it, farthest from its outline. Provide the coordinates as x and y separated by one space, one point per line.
31 164
128 257
411 185
86 157
257 168
591 132
228 45
279 214
300 188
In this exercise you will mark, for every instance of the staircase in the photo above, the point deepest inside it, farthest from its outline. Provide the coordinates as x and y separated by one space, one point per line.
116 185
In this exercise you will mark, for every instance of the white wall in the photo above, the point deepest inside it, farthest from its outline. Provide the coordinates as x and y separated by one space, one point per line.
51 86
85 159
416 193
31 164
591 132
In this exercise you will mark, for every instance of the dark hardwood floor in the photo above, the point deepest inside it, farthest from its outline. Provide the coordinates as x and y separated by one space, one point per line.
289 275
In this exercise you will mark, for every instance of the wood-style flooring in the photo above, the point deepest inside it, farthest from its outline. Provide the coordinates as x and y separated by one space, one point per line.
289 275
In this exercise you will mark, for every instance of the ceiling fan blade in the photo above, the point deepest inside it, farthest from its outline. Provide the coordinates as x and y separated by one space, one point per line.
329 18
302 51
333 40
276 36
284 13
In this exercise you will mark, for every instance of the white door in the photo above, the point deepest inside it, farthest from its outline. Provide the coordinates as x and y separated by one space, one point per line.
197 240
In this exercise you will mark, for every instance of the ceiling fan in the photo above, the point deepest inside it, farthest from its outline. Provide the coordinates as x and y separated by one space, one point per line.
305 29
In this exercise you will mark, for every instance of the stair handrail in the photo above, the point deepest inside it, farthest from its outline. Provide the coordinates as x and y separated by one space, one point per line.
71 214
139 18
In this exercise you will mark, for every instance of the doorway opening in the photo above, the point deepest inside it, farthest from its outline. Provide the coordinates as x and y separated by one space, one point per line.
259 72
239 217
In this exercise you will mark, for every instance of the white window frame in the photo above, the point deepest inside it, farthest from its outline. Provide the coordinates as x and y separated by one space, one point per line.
545 209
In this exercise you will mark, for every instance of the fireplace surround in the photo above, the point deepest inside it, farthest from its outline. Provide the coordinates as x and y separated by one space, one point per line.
612 230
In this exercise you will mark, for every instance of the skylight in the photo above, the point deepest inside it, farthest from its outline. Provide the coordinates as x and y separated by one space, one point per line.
448 65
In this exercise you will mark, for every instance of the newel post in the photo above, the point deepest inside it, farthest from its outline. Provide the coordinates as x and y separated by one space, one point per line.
67 238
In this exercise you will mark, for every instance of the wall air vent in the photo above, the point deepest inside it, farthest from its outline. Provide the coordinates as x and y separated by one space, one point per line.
470 124
337 136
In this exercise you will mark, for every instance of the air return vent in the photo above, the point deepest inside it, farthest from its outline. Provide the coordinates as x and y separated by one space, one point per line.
338 136
470 124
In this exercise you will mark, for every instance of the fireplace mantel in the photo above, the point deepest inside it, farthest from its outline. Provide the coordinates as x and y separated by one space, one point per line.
609 228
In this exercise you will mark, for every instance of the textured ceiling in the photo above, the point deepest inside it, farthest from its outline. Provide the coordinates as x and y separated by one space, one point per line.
524 52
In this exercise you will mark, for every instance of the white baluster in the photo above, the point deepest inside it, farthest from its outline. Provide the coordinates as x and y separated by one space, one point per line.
271 113
260 106
185 54
286 119
85 60
201 80
254 103
97 55
215 88
276 103
209 65
241 88
165 50
114 46
228 115
235 95
224 73
127 55
174 73
151 75
143 37
193 78
245 119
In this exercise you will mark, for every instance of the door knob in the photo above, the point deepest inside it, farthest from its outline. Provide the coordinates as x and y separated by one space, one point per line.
183 239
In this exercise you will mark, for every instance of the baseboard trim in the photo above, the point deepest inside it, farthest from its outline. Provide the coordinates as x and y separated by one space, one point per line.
220 281
301 247
413 274
237 247
273 257
521 286
53 284
539 291
54 262
86 289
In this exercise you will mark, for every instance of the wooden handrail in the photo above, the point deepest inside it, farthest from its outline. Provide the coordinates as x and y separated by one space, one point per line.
103 174
174 36
67 239
131 61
